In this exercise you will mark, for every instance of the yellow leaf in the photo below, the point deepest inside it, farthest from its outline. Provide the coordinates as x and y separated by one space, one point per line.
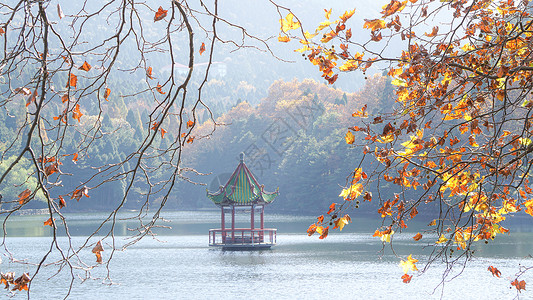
352 192
398 82
386 138
341 222
328 13
349 65
442 239
302 50
375 24
408 264
288 24
350 138
387 236
524 142
529 207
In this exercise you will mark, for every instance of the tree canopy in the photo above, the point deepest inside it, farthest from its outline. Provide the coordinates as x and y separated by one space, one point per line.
459 134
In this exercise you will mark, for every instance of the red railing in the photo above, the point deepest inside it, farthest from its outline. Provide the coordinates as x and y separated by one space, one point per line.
245 237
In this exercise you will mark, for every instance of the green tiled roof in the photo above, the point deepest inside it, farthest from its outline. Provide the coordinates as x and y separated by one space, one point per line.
241 189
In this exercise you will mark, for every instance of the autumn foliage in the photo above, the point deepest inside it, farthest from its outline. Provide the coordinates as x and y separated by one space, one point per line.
460 132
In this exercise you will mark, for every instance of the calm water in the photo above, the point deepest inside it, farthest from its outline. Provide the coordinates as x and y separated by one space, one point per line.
346 265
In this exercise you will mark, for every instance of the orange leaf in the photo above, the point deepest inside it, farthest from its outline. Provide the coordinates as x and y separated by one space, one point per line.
321 219
21 283
64 98
311 230
202 48
73 81
85 67
190 124
49 222
331 208
107 93
23 196
413 213
393 7
160 14
76 113
190 139
154 126
347 14
2 31
158 88
407 278
149 72
284 39
519 285
75 158
494 271
163 131
433 33
97 250
348 34
417 237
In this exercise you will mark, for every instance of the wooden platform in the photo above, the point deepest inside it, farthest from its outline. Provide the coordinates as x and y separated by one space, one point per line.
242 238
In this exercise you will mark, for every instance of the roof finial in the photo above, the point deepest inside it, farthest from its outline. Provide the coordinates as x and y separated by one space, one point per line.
242 157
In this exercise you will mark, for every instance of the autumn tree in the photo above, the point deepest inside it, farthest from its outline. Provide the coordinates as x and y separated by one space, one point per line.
459 136
58 66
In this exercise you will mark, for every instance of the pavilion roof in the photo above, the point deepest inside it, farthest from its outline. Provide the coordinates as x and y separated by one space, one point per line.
242 189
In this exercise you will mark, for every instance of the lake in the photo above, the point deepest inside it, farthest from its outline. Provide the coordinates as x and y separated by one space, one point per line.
180 265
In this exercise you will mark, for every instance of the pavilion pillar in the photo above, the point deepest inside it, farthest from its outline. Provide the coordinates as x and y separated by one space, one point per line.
233 223
223 224
262 217
252 221
262 233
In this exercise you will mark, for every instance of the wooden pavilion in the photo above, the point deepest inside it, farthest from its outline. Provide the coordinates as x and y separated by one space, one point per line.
242 193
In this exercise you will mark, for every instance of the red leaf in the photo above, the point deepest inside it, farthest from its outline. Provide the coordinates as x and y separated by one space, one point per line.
202 48
190 124
160 14
407 278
